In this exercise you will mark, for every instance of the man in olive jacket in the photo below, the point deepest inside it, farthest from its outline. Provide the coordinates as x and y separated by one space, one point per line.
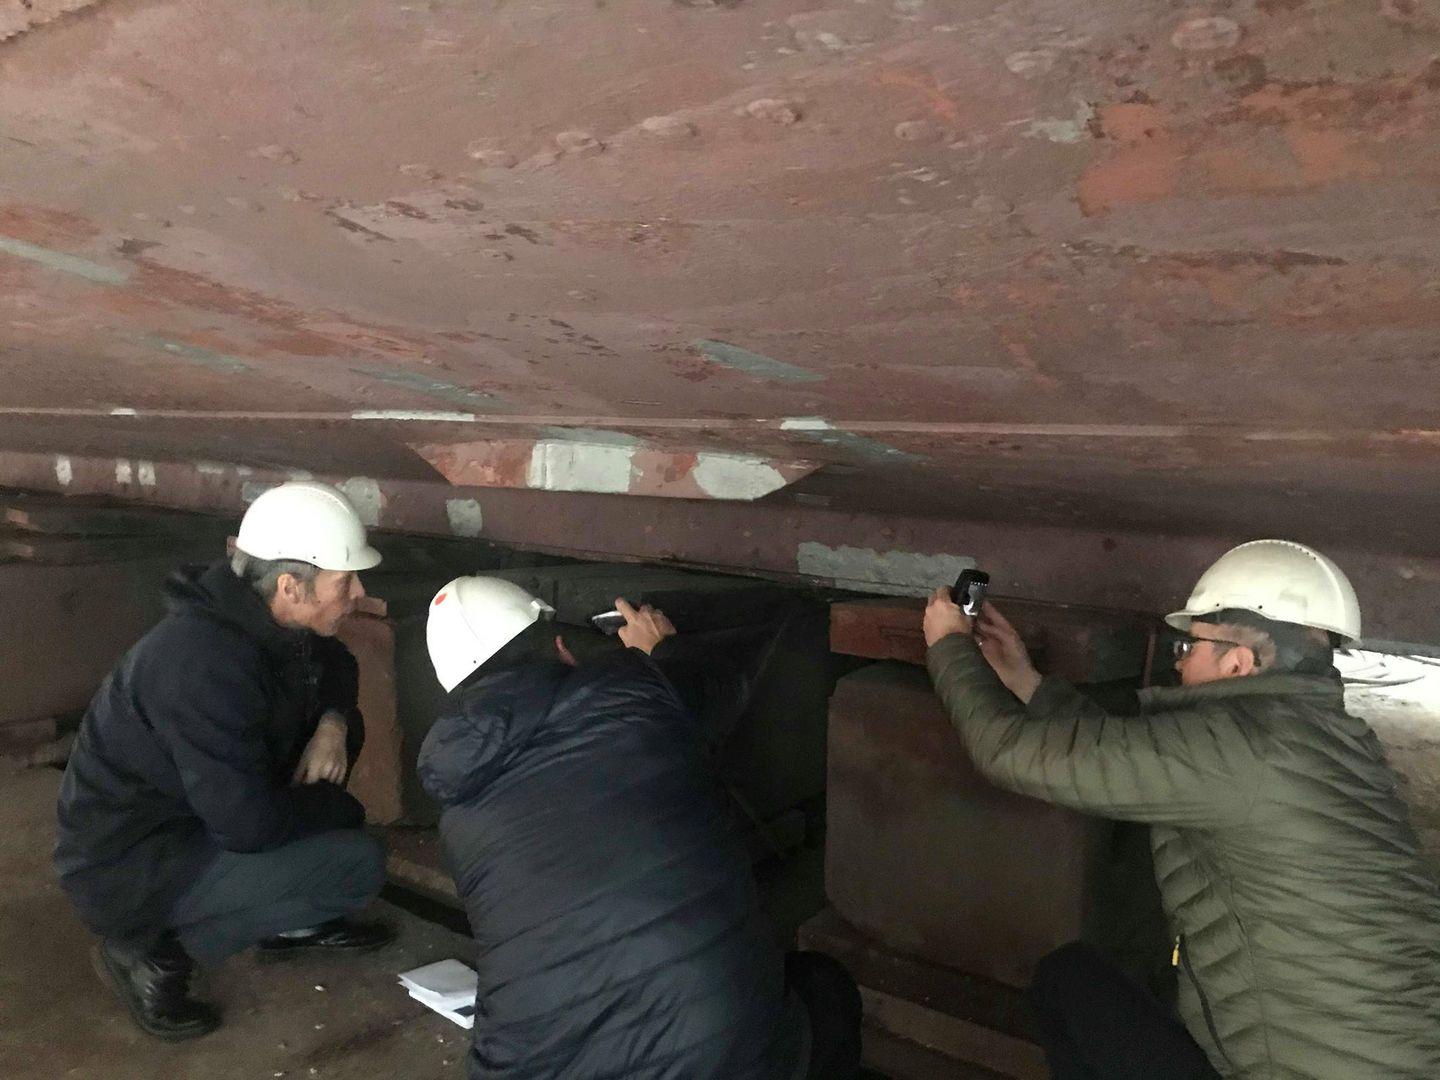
1307 924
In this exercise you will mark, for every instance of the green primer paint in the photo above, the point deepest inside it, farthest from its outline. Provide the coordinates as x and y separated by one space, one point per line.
753 363
65 264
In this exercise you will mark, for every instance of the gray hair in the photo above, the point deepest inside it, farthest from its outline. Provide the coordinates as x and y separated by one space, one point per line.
263 575
1280 646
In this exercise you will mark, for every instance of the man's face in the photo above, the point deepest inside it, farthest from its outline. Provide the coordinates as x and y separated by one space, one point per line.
1214 652
322 606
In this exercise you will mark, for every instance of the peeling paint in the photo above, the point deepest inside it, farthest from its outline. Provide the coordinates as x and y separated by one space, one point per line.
614 463
436 388
124 412
753 363
122 471
64 472
825 433
17 18
64 263
1072 130
209 468
564 466
145 473
415 415
600 436
215 361
364 494
731 476
464 516
893 573
253 489
300 474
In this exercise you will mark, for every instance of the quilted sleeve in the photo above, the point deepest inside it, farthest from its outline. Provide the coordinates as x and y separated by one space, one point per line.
1191 767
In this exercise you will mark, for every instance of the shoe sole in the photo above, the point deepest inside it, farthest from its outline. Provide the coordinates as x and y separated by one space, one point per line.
113 983
274 956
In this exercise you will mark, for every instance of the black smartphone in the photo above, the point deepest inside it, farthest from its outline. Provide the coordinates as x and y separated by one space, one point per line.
969 591
608 622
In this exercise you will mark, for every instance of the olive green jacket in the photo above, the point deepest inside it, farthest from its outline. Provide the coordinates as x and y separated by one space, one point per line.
1288 867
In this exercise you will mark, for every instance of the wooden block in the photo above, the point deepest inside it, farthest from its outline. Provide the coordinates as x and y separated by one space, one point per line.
55 752
926 855
957 993
26 735
413 859
1080 644
376 779
955 1038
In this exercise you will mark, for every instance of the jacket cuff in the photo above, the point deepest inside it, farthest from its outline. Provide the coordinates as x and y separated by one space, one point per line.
953 648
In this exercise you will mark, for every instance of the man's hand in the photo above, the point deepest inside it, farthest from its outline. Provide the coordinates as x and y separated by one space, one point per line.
1001 644
645 628
943 617
324 757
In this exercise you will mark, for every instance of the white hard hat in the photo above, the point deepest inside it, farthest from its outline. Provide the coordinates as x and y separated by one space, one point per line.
1277 580
471 619
310 522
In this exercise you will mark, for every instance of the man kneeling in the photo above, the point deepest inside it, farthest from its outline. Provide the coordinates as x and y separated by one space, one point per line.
616 922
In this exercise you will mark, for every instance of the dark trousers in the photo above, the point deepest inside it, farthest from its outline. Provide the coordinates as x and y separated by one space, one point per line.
242 898
832 1004
1097 1024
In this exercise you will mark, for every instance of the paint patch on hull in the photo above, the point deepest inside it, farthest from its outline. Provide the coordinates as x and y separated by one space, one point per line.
891 573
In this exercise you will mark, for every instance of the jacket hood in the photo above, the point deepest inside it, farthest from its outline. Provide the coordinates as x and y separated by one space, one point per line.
482 725
214 592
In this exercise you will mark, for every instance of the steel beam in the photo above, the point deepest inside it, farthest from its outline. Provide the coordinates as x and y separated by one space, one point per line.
776 538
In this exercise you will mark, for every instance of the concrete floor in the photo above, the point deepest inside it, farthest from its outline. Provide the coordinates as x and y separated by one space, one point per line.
332 1019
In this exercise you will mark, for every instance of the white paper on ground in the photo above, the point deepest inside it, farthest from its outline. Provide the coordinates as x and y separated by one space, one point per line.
447 986
463 1015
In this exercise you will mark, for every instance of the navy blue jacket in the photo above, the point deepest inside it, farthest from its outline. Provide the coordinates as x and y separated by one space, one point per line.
617 928
188 748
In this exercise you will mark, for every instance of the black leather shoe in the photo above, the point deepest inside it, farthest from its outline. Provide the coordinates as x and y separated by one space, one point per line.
155 988
335 936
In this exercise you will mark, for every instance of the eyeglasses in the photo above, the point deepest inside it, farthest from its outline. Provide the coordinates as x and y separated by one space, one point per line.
1182 646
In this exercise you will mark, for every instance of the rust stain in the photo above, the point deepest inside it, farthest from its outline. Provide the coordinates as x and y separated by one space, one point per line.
1247 168
664 472
303 343
1360 298
1130 122
1020 353
1140 172
927 88
1328 132
1325 157
499 463
1400 99
43 227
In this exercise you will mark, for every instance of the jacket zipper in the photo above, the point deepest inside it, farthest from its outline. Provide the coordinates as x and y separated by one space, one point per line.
1180 958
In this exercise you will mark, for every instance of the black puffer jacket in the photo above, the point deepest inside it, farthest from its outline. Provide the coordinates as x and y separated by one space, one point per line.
188 748
616 920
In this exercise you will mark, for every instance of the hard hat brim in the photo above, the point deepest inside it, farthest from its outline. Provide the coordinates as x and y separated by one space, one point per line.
365 559
1180 620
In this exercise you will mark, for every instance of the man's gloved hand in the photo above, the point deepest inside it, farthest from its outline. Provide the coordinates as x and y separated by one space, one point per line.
324 756
645 628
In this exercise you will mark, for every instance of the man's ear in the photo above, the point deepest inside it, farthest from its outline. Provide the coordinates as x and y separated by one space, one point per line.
566 656
288 586
1239 661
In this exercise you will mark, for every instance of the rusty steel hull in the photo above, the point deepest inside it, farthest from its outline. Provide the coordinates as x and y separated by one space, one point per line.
1082 292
